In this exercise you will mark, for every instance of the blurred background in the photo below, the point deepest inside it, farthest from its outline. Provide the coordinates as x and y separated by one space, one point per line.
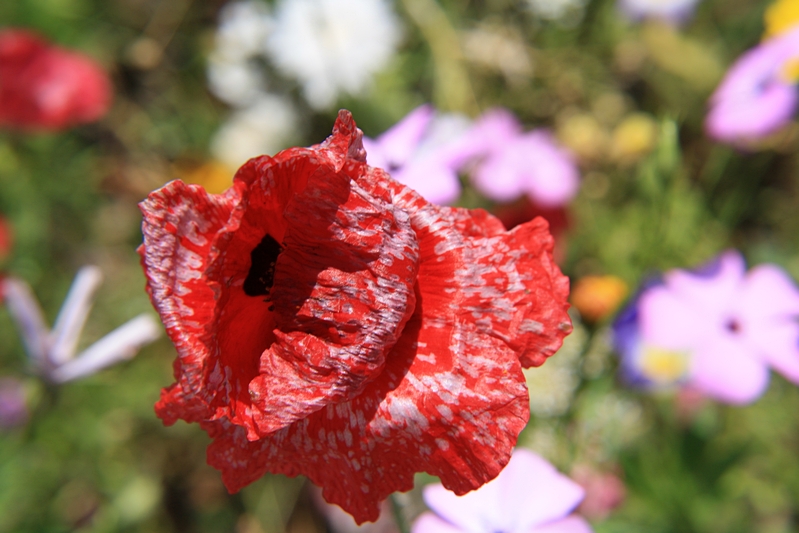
199 87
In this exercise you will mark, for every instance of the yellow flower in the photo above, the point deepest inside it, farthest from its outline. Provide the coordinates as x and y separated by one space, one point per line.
780 17
634 137
214 176
583 134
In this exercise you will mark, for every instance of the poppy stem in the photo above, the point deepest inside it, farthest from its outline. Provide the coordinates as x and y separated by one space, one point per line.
453 87
397 509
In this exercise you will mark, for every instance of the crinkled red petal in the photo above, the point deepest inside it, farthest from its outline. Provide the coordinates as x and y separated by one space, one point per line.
391 341
508 285
451 400
181 224
342 287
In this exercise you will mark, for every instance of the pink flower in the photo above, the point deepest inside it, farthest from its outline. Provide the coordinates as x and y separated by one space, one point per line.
604 491
13 403
529 496
426 152
728 325
47 87
511 163
418 152
757 96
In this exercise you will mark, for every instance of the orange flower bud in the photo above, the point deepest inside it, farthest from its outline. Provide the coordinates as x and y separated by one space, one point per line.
596 297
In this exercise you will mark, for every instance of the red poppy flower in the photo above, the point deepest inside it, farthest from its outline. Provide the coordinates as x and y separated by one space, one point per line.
6 238
46 87
331 322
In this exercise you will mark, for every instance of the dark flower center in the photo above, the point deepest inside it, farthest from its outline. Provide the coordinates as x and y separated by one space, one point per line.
733 326
262 271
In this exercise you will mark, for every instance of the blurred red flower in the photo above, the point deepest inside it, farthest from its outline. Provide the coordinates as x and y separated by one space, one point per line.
6 238
523 210
47 87
331 322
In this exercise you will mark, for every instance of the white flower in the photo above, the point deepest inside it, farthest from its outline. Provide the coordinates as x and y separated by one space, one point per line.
53 352
266 127
234 74
332 46
243 30
556 9
236 83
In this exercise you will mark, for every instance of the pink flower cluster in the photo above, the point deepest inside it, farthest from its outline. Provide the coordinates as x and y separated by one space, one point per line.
427 152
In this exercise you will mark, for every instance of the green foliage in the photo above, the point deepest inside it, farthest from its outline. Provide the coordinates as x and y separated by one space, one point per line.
93 456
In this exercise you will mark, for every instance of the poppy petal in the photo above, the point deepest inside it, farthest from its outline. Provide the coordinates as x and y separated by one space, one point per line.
343 290
180 223
450 401
505 282
331 322
340 287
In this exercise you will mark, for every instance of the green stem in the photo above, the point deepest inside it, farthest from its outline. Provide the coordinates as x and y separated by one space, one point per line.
453 88
399 515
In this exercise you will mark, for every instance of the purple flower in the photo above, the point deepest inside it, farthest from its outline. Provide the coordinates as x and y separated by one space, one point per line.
511 163
13 403
52 353
673 11
528 496
758 95
717 330
418 152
